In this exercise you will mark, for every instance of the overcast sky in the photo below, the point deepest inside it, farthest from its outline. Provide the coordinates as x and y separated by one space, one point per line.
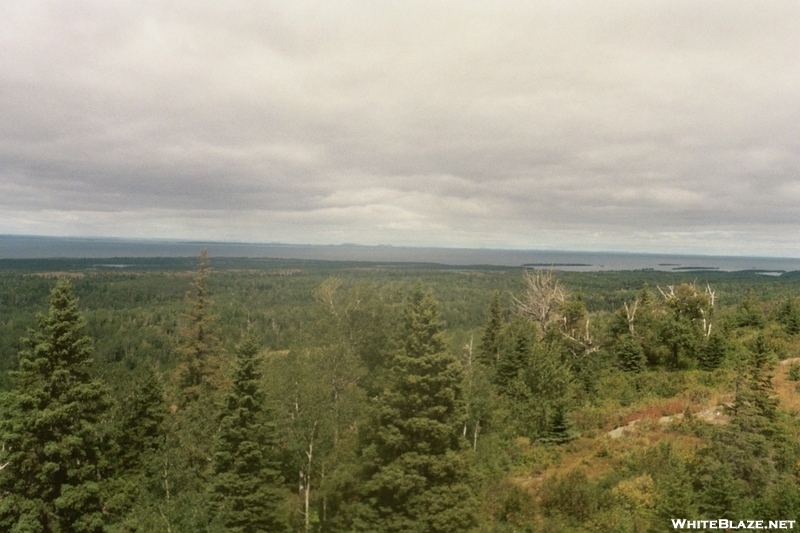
653 126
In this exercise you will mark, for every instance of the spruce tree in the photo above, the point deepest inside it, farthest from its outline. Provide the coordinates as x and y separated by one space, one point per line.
756 402
713 352
489 350
676 496
142 430
200 348
415 479
140 442
195 391
514 359
630 355
789 316
54 470
246 489
560 430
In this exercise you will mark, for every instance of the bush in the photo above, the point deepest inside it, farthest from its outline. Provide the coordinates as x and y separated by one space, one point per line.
794 372
509 503
662 384
573 496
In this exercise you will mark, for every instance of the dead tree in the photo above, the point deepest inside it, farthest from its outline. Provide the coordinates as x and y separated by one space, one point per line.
543 295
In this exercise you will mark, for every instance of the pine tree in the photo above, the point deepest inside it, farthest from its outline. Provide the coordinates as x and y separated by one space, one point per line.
54 466
246 484
415 480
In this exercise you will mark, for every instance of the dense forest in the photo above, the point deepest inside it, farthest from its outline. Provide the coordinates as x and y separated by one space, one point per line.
308 396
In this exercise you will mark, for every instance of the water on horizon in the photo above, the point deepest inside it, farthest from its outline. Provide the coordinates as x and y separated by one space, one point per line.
26 247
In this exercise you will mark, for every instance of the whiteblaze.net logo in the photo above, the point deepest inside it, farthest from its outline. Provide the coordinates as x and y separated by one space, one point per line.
732 524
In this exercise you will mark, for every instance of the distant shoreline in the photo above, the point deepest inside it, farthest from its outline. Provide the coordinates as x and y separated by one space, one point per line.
110 251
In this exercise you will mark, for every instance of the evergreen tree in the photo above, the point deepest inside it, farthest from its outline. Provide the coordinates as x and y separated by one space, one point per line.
749 313
200 348
540 391
755 404
713 352
677 498
54 466
142 428
246 484
140 442
560 430
514 359
195 390
631 355
414 478
489 350
789 316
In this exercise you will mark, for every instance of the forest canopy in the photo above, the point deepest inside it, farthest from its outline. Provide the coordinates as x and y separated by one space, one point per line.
266 395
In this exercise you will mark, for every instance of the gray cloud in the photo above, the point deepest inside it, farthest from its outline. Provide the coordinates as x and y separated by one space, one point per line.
658 126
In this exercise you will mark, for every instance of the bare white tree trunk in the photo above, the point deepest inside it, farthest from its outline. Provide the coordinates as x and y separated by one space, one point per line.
543 294
630 314
307 480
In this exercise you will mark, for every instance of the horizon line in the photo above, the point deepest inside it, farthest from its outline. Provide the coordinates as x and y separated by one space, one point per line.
174 240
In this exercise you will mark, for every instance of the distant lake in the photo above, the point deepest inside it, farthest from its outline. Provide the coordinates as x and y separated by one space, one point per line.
25 247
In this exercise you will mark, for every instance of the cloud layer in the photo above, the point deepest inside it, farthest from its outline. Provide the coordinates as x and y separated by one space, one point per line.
641 126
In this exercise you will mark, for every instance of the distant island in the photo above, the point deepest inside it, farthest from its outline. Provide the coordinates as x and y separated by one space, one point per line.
118 251
556 265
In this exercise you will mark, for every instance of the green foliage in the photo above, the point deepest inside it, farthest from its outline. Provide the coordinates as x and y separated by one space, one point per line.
677 498
713 352
489 349
560 430
749 313
479 395
547 391
755 405
142 428
200 348
680 338
53 446
414 477
378 434
246 492
510 504
573 496
631 355
515 353
794 372
789 316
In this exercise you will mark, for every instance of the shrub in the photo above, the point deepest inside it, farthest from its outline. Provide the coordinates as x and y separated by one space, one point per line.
794 372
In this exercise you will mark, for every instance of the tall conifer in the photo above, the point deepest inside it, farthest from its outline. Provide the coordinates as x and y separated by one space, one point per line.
52 451
246 484
195 388
415 478
200 347
489 350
